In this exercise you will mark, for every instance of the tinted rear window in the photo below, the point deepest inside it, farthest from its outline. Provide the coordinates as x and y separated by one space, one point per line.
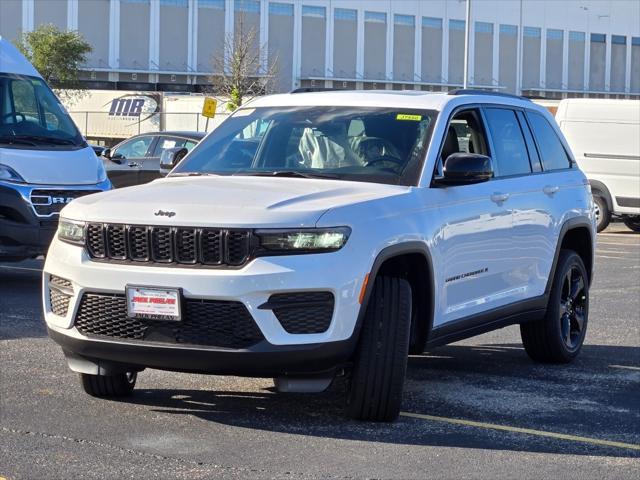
510 152
552 153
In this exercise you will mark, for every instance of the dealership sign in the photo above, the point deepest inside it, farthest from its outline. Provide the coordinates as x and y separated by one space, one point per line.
133 106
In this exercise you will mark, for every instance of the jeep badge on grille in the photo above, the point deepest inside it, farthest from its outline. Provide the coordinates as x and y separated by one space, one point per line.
163 213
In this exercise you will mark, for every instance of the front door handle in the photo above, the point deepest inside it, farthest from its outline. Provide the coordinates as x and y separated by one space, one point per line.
133 164
499 198
550 189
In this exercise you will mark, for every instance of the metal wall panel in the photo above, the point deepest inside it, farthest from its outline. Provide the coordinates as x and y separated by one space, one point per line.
375 45
210 34
635 64
314 25
134 35
174 37
531 57
618 63
431 49
93 24
281 43
597 61
576 60
456 51
403 47
344 43
508 63
554 59
10 18
483 54
50 11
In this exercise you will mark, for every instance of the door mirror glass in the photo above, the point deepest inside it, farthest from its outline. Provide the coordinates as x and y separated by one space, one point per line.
466 168
171 157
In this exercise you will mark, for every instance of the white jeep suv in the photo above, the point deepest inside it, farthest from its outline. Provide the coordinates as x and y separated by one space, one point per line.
330 233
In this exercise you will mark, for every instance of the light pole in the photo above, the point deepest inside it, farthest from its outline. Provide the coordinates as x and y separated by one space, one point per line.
467 30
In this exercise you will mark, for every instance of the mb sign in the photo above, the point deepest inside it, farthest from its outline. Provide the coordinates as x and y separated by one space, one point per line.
126 107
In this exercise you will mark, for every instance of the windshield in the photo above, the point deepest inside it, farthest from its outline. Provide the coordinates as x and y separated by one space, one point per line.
32 117
382 145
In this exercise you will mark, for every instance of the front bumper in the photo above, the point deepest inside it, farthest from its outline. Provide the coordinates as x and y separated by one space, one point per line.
280 353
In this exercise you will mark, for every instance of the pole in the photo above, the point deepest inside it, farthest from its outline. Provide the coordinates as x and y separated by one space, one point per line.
467 30
520 56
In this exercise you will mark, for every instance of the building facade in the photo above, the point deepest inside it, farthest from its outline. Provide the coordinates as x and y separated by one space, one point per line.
543 48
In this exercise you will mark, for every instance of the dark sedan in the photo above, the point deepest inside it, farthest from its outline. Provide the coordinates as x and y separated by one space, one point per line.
137 159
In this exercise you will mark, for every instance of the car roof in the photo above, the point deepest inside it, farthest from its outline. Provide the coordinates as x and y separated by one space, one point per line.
12 61
193 135
408 99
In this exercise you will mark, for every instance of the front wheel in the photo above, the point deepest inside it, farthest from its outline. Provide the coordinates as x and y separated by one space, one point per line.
558 337
119 385
603 215
377 379
633 222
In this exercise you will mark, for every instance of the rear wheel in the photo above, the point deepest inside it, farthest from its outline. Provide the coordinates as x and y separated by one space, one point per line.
119 385
603 216
377 379
633 222
558 337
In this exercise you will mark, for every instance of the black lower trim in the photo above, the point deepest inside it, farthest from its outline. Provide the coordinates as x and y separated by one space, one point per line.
628 202
261 360
518 312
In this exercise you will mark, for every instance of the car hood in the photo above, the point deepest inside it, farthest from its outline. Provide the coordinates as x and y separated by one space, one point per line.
54 167
225 201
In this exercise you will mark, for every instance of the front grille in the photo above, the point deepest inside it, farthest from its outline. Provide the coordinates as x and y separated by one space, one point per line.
60 292
204 322
169 245
303 312
48 202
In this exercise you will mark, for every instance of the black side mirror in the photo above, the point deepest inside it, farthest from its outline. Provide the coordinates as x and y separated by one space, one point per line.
106 153
171 157
466 168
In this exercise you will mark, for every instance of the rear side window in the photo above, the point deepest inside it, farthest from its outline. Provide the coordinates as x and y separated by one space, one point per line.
510 156
552 153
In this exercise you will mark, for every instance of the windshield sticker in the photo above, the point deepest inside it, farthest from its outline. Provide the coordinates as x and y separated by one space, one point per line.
244 112
408 116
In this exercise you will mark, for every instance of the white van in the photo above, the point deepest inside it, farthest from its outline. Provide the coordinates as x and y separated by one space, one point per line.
44 161
605 138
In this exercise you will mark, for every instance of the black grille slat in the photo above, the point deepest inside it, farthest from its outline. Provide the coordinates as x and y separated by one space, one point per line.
169 245
303 312
205 322
41 196
116 242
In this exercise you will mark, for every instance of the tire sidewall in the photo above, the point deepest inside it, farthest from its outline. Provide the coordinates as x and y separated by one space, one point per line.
605 217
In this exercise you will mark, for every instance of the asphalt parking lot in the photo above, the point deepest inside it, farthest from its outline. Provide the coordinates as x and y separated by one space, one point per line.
478 408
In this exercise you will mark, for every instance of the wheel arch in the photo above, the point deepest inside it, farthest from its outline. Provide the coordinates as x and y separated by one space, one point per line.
413 261
576 234
597 185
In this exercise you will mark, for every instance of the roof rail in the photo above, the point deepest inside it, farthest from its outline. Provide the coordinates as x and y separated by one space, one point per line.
471 91
315 89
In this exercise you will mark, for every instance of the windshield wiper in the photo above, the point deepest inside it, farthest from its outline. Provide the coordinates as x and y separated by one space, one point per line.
288 173
43 139
12 140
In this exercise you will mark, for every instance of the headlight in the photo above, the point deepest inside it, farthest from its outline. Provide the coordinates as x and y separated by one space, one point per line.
308 240
71 231
9 174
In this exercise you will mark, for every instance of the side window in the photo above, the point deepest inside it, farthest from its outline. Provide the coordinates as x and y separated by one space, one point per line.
24 99
464 135
166 142
510 154
134 148
189 144
554 156
531 144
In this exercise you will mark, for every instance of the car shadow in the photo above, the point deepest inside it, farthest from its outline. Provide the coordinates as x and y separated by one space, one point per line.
20 300
595 397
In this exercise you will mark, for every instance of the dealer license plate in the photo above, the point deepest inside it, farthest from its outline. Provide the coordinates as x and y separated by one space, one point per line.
153 303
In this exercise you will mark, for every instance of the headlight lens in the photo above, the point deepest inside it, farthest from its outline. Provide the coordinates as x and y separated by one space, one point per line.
71 231
302 240
9 174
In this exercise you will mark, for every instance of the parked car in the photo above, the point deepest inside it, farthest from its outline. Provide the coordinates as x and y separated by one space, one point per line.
137 159
98 149
44 161
604 136
345 231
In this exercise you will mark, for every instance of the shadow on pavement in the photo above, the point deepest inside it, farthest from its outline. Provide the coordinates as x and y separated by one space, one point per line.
492 383
20 301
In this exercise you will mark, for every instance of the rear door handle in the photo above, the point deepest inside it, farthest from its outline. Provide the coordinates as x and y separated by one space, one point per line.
550 189
499 197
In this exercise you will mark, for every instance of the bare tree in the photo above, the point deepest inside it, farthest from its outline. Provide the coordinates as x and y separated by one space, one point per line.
243 68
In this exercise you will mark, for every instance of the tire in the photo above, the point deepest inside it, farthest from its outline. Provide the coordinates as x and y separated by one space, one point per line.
103 386
377 379
558 337
603 215
633 222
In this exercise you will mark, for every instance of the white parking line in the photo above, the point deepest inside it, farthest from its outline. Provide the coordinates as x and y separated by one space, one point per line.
626 367
606 256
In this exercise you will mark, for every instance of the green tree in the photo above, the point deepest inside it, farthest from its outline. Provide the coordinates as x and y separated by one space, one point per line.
56 54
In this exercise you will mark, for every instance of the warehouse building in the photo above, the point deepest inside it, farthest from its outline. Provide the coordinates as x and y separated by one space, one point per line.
540 48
